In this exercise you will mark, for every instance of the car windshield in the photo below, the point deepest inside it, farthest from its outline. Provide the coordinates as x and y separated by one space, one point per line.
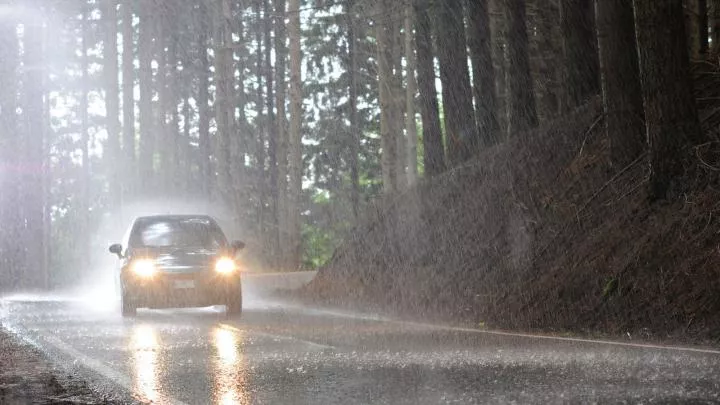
184 233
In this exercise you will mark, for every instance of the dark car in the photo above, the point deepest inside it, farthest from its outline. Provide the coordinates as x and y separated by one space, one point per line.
170 261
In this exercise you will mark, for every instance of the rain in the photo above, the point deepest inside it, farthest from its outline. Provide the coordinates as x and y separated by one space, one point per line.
359 201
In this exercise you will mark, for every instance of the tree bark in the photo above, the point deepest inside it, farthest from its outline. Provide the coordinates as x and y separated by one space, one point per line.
355 131
582 77
460 130
295 136
128 96
206 176
33 200
281 131
112 96
11 266
522 112
388 137
433 149
714 20
670 113
147 129
480 44
696 26
410 93
622 94
224 99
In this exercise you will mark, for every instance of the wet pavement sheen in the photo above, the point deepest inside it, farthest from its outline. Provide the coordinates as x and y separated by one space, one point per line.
282 354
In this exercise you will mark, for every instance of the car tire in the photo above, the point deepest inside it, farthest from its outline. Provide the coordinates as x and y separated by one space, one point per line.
127 306
233 305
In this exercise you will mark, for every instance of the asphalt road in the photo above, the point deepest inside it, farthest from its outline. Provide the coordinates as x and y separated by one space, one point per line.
284 354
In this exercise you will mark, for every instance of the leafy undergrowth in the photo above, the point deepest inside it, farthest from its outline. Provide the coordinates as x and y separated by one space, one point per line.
26 377
541 234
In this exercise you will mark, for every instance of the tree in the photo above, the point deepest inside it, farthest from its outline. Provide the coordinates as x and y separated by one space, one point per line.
697 27
128 90
410 93
521 98
670 113
434 151
10 215
622 94
388 135
224 97
460 131
355 131
203 101
32 197
281 153
112 92
480 44
145 79
295 135
714 21
582 77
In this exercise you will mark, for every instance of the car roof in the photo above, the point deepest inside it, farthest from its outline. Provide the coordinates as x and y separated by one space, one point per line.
171 218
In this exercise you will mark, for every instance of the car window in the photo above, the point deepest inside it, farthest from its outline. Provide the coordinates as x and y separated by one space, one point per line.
195 233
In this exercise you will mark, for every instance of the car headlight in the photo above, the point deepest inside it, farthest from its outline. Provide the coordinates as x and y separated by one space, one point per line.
225 266
144 268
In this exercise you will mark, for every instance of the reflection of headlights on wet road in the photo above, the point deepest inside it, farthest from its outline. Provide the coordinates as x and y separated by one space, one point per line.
144 268
230 371
225 266
144 346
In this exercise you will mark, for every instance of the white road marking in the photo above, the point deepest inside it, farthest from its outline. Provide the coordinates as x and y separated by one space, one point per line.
95 365
286 338
377 318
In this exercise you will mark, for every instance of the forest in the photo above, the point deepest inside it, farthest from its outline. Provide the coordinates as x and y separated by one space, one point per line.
309 121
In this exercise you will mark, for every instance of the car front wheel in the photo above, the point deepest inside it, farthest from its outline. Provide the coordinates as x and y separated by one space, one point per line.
233 305
127 306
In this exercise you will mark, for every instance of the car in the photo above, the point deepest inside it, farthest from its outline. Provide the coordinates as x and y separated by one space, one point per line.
173 261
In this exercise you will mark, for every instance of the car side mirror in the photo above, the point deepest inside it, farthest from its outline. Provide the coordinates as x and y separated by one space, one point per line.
116 249
237 246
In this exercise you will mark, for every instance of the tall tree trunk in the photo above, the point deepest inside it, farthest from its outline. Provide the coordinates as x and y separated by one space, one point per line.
240 135
281 154
224 98
84 205
147 129
397 93
273 136
295 135
410 93
261 128
355 130
112 95
670 113
162 139
385 82
714 20
480 44
622 94
10 159
433 149
582 77
174 86
696 26
522 112
128 90
460 131
550 63
206 176
32 198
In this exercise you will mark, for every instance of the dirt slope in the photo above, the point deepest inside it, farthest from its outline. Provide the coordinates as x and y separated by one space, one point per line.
540 233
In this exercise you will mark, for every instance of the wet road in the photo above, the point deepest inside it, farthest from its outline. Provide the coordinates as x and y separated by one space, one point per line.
283 354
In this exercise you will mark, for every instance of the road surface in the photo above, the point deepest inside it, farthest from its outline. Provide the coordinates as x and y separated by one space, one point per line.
287 354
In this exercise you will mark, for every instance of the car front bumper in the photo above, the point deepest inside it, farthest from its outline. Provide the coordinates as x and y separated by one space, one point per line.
175 290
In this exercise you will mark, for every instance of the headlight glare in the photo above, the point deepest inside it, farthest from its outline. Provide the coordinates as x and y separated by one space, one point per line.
225 266
144 268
